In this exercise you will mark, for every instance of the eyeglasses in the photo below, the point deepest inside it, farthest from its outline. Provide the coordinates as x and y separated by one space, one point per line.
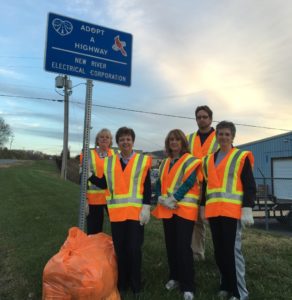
202 117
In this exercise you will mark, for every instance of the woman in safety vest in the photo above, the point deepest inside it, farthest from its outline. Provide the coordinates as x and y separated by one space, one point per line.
127 177
228 195
96 197
178 194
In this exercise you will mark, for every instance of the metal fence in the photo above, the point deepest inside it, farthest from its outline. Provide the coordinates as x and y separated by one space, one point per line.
274 200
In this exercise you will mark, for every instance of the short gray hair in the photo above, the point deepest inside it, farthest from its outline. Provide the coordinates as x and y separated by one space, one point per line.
226 124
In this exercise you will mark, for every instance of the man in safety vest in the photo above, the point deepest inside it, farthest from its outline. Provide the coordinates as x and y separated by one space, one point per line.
228 195
127 177
201 143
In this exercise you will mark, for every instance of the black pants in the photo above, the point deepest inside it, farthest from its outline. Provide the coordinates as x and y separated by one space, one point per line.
128 237
95 218
226 235
178 236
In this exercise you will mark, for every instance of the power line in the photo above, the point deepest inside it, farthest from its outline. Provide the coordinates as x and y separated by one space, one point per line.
180 117
138 111
20 57
25 67
32 98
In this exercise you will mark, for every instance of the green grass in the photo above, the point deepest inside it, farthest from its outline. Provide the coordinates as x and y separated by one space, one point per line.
37 208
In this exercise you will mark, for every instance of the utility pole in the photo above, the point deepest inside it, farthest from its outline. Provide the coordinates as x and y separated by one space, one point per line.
63 81
11 140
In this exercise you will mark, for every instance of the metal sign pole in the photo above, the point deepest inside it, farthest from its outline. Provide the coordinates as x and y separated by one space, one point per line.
85 153
66 129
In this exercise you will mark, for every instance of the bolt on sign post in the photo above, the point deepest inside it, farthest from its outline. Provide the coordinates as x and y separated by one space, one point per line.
89 51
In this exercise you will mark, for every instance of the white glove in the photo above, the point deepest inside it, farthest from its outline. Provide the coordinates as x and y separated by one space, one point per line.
144 214
170 202
202 215
246 217
161 200
90 173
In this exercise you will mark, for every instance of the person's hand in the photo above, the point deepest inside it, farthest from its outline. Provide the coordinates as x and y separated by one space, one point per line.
202 215
86 209
161 200
246 217
170 202
92 178
90 173
144 214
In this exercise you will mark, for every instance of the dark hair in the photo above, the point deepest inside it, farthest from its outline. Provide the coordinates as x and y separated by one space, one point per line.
224 125
125 131
103 130
206 108
177 133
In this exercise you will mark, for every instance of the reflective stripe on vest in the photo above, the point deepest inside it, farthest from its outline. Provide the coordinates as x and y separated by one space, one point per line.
209 146
96 195
225 200
125 186
171 180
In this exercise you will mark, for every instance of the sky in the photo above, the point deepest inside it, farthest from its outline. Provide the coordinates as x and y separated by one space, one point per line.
233 55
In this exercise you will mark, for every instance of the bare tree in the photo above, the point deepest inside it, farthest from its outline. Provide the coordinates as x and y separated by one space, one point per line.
5 132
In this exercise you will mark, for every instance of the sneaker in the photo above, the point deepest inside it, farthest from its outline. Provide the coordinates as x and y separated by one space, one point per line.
137 296
171 284
188 296
198 257
222 295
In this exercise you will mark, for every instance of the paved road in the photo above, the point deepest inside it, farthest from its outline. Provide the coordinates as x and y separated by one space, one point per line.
7 161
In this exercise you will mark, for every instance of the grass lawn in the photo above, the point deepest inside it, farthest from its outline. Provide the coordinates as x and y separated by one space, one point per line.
37 208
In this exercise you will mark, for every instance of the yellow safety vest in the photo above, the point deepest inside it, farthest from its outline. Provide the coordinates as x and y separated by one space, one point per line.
95 195
172 179
208 147
224 190
126 186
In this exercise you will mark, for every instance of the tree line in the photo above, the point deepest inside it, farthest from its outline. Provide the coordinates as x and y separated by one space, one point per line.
5 132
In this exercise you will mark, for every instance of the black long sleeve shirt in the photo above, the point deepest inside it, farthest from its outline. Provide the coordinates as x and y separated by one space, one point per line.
204 136
101 183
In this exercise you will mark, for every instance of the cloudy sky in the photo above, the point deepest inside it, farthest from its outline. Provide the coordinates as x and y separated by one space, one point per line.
233 55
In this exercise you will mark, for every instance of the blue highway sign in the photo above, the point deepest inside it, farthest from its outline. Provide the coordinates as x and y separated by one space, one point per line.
89 51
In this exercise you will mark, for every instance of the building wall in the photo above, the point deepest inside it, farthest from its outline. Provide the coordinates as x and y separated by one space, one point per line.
279 146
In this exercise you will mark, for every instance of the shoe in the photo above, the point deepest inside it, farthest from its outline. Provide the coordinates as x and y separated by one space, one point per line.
188 296
171 284
233 298
222 295
198 257
137 296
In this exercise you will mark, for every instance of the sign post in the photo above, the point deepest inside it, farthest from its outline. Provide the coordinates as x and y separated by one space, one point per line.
85 153
93 52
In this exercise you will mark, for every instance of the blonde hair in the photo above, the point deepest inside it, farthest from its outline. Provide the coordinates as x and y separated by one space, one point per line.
103 130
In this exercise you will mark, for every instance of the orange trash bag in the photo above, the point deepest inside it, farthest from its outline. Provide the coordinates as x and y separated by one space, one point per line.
85 268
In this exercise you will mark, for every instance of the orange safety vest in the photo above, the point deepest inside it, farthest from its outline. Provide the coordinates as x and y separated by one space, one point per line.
95 195
224 190
126 187
172 179
208 147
